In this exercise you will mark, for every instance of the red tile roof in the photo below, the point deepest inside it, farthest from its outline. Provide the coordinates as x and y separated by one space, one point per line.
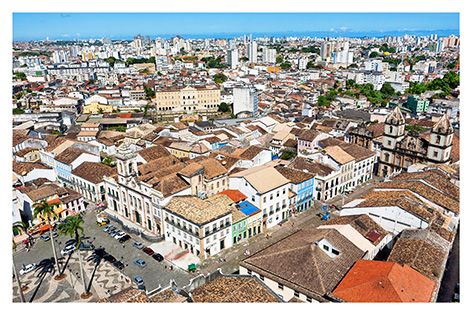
381 281
234 194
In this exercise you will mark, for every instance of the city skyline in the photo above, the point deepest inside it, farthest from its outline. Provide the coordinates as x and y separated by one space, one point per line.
120 25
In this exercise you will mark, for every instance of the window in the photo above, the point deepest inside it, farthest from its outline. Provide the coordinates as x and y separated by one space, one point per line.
308 299
281 286
296 294
334 251
253 198
261 277
325 247
435 154
249 272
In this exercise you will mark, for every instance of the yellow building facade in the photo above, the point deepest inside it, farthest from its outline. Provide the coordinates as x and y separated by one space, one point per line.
188 98
97 108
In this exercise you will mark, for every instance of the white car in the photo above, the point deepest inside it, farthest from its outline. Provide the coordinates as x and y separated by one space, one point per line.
119 235
69 249
27 269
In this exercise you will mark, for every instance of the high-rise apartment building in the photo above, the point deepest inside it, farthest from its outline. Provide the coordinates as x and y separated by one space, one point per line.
252 52
268 55
232 58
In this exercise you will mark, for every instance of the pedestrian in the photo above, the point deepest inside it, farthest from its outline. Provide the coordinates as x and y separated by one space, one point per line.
165 267
123 245
224 259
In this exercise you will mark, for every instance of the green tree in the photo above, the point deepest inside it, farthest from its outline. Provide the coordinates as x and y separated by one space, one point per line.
287 155
279 59
149 92
323 101
285 66
18 110
19 227
71 226
219 78
387 90
223 107
374 54
45 209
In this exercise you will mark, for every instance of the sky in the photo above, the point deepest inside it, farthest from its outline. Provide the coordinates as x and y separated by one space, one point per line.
121 25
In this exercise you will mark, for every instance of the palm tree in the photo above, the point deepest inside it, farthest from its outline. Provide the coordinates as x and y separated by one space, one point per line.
18 227
45 209
71 226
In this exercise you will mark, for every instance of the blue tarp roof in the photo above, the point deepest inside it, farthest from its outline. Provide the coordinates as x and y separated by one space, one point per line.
247 208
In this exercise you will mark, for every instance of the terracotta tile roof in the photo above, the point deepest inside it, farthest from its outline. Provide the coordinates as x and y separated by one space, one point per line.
299 263
200 211
105 141
23 168
312 167
419 255
381 281
69 155
24 151
363 224
212 168
308 135
157 164
154 176
424 191
403 199
152 153
433 177
234 289
295 176
41 193
262 178
170 185
94 172
191 169
167 296
339 155
358 152
234 194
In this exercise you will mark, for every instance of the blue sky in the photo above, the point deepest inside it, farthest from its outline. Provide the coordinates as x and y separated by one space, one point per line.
34 26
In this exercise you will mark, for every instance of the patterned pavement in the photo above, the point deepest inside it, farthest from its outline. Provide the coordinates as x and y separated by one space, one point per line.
107 280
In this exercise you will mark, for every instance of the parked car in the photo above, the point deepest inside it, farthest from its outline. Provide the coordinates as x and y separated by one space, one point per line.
110 258
118 264
27 269
148 251
83 246
54 234
100 252
69 249
158 257
138 245
141 263
139 281
108 227
44 237
115 232
120 234
124 238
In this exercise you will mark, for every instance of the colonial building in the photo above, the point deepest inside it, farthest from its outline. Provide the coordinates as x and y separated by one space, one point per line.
187 99
401 149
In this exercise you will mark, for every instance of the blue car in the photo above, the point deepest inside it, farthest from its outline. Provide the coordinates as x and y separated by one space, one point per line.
138 280
140 263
